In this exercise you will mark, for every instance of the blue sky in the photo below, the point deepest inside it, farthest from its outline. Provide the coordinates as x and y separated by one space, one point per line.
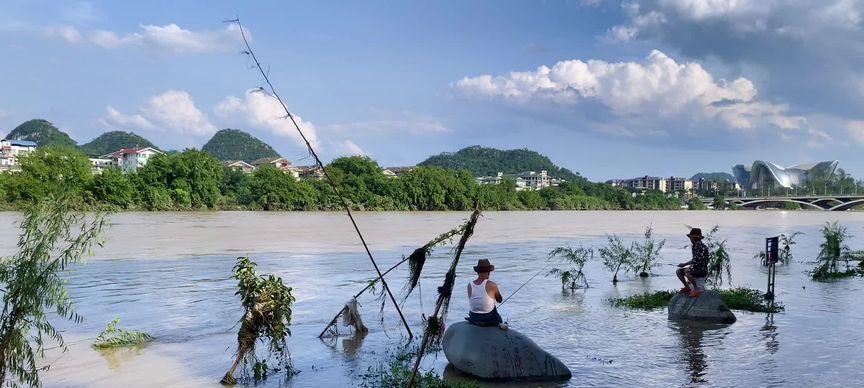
607 88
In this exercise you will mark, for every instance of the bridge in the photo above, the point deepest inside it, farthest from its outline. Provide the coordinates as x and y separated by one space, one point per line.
820 202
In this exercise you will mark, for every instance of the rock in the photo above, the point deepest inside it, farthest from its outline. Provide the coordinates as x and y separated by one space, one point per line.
494 354
709 306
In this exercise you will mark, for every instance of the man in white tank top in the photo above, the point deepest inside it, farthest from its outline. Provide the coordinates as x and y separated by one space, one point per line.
482 295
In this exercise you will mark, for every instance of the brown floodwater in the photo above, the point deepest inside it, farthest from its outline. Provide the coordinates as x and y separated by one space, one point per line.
170 274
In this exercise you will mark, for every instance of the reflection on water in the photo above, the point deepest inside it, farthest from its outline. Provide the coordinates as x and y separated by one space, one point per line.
188 304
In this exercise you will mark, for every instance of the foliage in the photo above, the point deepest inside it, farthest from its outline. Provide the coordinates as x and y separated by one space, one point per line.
719 261
647 252
267 318
50 171
786 243
713 176
234 144
271 189
396 371
109 142
112 337
111 187
484 161
696 204
43 132
51 240
833 251
740 298
719 202
571 277
191 178
645 301
616 255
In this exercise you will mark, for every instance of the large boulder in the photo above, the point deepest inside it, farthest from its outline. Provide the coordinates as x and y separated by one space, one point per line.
709 307
494 354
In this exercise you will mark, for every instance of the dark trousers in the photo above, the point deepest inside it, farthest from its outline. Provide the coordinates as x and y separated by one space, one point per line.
484 319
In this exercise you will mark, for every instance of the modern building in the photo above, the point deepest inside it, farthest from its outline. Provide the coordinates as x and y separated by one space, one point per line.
671 184
313 173
527 180
395 172
238 165
762 174
676 184
10 150
535 181
280 163
101 164
131 159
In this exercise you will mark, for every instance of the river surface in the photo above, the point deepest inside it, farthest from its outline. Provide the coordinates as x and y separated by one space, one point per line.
170 274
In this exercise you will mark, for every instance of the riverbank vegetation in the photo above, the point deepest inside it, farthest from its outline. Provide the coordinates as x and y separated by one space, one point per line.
395 372
267 318
113 337
746 299
51 239
834 256
195 180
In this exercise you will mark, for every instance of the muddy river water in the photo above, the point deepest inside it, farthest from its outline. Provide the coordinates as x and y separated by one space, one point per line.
170 274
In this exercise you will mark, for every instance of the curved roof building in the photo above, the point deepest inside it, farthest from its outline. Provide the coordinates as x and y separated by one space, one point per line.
767 174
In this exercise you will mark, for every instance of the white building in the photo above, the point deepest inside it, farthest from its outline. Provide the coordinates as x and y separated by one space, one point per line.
534 180
101 164
131 159
238 165
10 150
280 163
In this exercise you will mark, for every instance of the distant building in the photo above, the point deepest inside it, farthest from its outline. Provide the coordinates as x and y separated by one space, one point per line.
238 165
490 180
278 162
675 184
131 159
10 150
313 173
394 172
666 185
97 165
527 180
534 180
766 174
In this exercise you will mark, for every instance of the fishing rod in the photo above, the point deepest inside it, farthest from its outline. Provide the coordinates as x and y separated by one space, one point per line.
320 165
526 282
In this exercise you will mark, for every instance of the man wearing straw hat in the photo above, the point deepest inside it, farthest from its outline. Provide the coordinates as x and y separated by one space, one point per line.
696 268
482 295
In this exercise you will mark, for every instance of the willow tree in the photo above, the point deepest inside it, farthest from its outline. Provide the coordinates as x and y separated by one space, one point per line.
647 252
51 240
617 256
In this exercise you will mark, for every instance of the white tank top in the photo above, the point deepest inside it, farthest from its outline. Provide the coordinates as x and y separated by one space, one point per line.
480 301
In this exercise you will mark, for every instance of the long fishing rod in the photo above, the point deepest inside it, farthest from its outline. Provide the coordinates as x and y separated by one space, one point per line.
323 170
526 282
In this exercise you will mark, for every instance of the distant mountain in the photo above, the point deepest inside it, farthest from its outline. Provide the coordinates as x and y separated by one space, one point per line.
713 176
112 141
42 132
234 144
484 161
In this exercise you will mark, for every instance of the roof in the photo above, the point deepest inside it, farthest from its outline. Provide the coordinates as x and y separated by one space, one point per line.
21 143
271 160
231 163
129 151
400 169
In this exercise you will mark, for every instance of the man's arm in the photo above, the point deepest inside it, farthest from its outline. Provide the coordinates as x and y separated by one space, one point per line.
685 264
494 292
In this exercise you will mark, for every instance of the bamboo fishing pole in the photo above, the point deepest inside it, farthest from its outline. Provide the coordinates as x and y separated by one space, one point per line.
320 164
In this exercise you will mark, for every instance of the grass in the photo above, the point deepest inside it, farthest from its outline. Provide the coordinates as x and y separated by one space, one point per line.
746 299
396 371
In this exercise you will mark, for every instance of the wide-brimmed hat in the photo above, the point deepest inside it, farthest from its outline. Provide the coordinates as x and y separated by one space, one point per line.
483 265
696 232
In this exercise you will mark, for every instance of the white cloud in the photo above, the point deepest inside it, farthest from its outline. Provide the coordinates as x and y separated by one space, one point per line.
657 88
399 123
68 33
173 110
350 148
856 130
265 112
171 38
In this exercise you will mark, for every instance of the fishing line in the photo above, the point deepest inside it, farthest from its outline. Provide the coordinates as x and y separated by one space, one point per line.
526 282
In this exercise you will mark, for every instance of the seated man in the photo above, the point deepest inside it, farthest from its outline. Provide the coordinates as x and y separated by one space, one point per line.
482 295
695 268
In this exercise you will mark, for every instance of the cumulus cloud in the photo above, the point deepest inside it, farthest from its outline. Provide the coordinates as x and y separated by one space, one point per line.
172 111
399 123
262 111
856 130
658 89
68 33
350 148
171 38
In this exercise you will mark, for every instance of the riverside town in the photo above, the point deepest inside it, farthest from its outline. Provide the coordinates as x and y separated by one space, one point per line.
434 195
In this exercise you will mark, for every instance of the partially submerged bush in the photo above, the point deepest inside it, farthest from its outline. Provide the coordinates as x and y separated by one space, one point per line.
396 371
112 337
571 277
647 253
617 256
267 302
833 260
740 298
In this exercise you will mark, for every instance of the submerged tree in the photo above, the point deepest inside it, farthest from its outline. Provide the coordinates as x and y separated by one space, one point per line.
647 252
267 304
784 253
719 262
51 240
833 252
571 277
616 255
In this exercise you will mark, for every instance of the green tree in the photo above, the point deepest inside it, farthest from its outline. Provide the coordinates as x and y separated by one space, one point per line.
50 171
192 178
571 277
617 256
695 204
272 189
51 239
113 188
235 186
647 252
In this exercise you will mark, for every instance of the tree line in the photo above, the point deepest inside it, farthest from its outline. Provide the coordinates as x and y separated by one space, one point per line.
195 180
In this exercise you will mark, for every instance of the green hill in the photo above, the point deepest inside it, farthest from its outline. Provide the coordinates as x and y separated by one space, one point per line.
713 176
234 144
484 161
112 141
42 132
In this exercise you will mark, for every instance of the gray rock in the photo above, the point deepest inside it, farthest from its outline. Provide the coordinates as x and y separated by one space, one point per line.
495 354
709 306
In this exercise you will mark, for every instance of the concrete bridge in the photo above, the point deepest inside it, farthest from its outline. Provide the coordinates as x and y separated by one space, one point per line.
820 202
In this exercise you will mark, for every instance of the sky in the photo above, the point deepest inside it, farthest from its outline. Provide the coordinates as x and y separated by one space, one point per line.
611 89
